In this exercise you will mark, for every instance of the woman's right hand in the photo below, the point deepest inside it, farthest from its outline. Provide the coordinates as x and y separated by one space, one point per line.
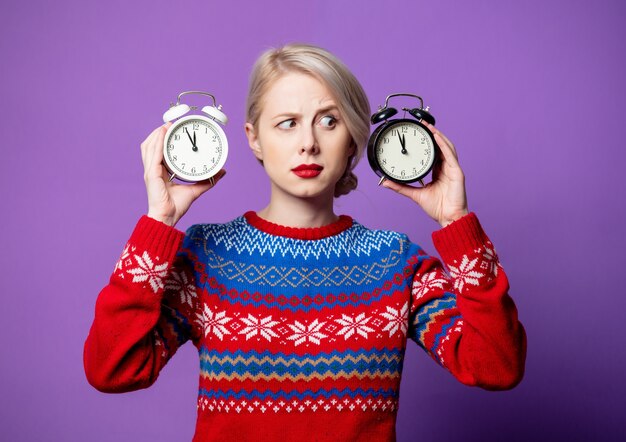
167 201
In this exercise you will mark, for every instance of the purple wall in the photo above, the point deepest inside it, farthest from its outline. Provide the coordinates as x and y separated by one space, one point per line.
531 92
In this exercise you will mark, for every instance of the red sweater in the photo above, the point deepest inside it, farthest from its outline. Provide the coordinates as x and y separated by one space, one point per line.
301 332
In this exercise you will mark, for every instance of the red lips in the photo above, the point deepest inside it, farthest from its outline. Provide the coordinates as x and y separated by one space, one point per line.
307 170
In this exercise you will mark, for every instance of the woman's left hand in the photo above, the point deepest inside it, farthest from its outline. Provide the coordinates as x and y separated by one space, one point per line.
444 198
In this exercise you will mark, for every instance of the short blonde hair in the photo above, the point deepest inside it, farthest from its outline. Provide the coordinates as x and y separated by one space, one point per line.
351 100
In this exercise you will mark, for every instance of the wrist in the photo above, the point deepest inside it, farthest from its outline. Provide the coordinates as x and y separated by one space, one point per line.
445 222
167 220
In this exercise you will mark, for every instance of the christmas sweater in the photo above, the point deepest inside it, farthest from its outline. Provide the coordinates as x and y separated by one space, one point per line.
301 333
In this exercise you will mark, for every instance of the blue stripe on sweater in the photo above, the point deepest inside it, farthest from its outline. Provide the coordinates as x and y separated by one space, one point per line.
306 394
251 363
427 314
179 323
443 333
388 353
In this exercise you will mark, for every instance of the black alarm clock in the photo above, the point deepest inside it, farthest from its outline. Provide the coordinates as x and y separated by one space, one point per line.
402 150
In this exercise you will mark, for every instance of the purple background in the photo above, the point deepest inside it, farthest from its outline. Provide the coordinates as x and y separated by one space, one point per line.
532 93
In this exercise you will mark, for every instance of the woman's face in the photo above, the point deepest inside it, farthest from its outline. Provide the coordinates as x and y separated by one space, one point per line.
301 138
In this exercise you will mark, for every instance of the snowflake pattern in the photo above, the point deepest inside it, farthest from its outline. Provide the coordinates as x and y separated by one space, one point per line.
428 282
147 270
492 260
124 259
179 283
302 333
398 319
353 325
213 322
465 273
262 327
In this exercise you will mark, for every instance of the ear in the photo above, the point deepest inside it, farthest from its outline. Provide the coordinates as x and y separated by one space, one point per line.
253 141
351 149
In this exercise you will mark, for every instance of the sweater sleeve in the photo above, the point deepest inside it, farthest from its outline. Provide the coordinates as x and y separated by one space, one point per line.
465 318
143 315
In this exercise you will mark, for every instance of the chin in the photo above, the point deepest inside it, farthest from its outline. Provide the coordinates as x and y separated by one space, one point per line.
310 194
309 191
305 189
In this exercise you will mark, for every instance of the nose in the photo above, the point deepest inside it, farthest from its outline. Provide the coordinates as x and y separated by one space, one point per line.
308 143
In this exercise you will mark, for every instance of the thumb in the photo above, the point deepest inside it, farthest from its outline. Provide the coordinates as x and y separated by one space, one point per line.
202 186
408 191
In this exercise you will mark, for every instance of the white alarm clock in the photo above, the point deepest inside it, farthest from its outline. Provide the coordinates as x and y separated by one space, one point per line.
195 146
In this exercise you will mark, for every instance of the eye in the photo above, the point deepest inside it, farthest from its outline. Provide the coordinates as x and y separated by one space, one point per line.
328 121
287 124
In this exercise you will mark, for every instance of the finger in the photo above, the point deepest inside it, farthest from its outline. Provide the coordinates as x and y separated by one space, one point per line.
215 178
154 152
450 143
219 175
155 134
144 145
202 186
158 144
437 170
442 139
446 150
149 140
402 189
212 181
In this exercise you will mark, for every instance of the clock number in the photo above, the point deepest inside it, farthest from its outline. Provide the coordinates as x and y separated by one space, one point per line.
422 162
183 164
174 158
213 160
193 170
196 126
170 146
402 173
405 129
384 160
393 168
185 131
176 137
394 132
386 140
206 169
214 138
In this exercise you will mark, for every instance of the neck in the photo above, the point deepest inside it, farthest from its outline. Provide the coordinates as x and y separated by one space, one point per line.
299 212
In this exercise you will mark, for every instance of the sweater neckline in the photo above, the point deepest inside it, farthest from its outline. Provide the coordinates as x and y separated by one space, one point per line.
343 223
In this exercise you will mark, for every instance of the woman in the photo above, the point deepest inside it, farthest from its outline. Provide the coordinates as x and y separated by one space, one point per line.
301 316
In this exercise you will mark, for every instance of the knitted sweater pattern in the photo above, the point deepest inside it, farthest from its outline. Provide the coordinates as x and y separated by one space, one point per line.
302 329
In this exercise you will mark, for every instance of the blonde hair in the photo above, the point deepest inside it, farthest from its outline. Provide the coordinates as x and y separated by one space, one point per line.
351 100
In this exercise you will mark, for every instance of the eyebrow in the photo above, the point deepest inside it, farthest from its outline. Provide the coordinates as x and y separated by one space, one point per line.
331 107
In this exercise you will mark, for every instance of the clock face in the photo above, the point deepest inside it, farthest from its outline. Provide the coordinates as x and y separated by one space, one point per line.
195 148
404 150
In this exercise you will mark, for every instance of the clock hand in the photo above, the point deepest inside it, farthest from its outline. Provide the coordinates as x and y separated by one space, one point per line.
195 148
193 142
402 142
